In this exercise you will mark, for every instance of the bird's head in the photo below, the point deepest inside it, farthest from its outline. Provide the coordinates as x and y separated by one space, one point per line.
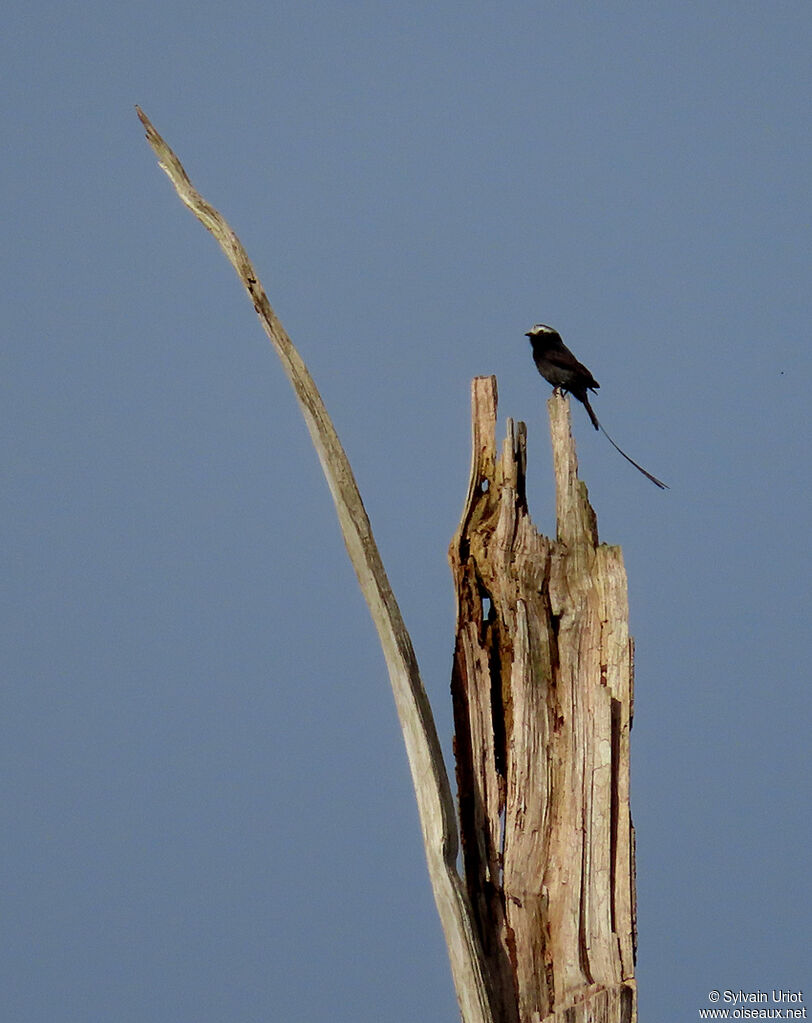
540 329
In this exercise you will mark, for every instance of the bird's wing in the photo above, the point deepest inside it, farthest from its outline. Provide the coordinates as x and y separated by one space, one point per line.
564 359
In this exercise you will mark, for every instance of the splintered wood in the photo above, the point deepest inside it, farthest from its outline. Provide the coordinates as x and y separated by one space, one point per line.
542 691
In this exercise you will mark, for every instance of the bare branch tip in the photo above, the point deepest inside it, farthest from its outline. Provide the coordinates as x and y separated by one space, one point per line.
152 135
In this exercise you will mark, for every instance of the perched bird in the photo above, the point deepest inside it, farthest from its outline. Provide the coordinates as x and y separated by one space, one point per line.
558 366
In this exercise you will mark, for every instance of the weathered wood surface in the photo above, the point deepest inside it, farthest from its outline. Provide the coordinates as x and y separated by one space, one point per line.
542 690
542 929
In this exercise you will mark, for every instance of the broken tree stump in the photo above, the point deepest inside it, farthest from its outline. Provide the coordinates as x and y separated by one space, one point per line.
542 693
541 928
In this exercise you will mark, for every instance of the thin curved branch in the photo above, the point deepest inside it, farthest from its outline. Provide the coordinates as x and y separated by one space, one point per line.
434 798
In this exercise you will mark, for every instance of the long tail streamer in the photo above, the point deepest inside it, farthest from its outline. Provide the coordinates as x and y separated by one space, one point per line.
654 480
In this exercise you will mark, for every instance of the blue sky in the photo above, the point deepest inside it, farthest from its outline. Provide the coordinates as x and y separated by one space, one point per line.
207 810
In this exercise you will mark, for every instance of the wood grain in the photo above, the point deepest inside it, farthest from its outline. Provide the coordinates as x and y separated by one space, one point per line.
542 691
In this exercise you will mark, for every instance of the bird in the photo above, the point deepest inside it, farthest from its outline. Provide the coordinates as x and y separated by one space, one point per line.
558 366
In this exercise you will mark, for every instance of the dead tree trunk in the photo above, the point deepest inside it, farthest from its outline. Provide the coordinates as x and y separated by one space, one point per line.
542 692
541 928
